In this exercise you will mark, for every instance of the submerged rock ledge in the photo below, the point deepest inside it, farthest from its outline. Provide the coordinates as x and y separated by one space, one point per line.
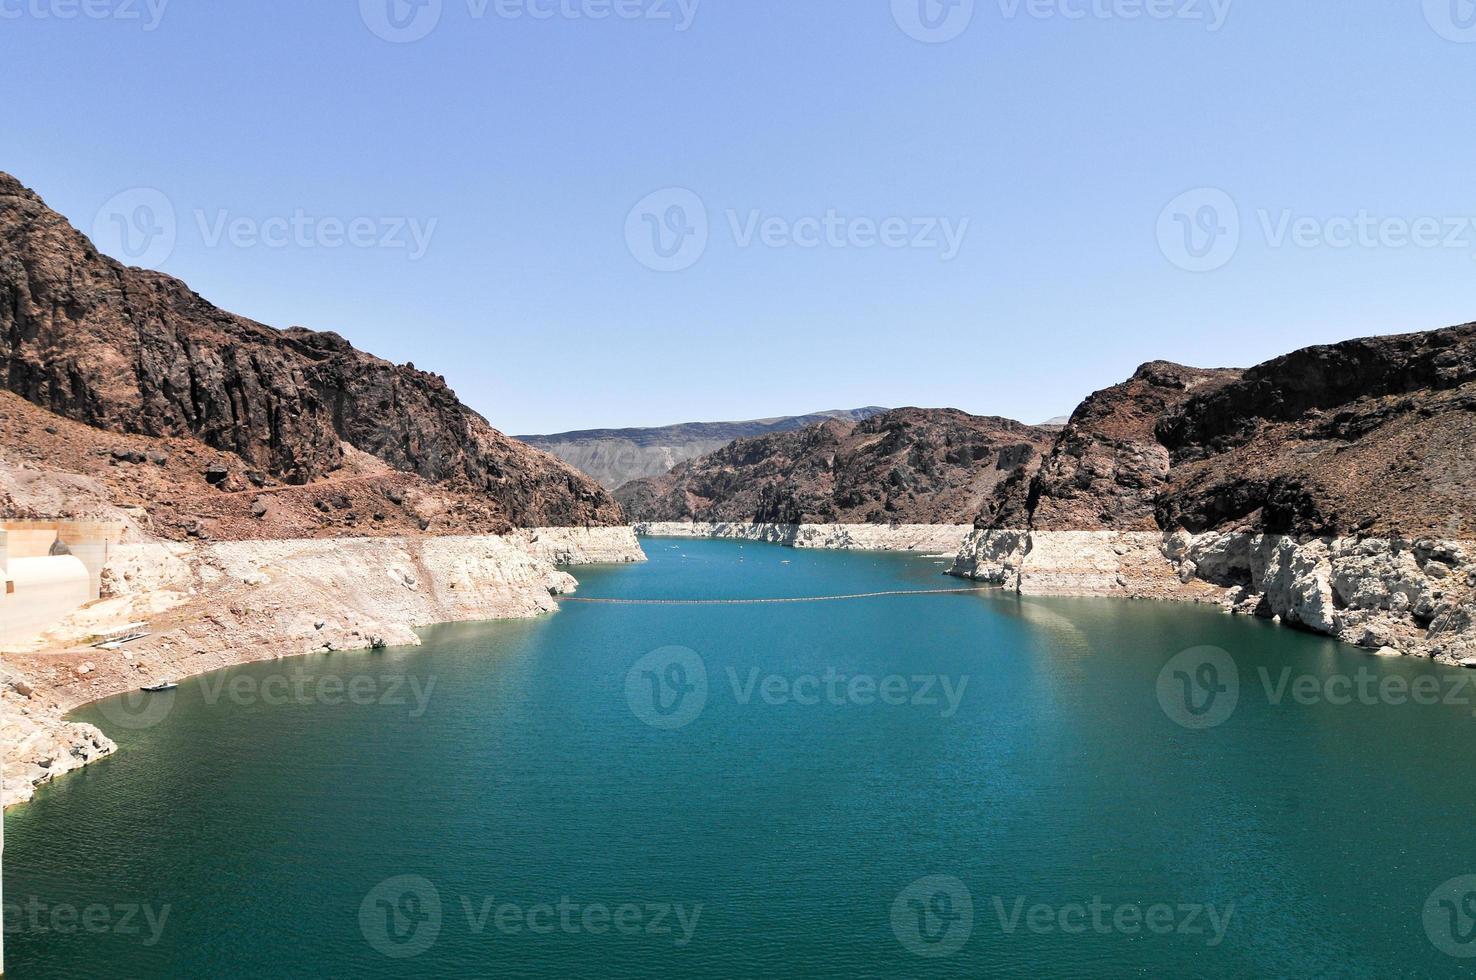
220 604
1384 594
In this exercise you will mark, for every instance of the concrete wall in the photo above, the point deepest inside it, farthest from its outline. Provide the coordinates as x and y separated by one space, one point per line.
45 590
48 569
25 540
89 541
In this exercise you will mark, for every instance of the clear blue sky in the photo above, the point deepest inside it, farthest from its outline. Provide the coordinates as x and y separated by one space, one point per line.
1061 140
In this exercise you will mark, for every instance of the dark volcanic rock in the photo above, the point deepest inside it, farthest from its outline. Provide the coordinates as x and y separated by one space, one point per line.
135 351
1107 465
615 457
1339 378
1374 436
909 466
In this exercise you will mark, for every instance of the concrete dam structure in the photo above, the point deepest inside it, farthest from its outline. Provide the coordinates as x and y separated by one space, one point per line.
49 569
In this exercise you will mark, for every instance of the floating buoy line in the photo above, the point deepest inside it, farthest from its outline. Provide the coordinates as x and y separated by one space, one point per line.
760 602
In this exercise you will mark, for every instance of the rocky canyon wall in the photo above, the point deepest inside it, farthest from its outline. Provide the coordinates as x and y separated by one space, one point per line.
946 538
1389 595
1331 488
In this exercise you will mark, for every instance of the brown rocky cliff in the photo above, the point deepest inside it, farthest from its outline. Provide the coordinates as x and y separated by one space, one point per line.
1107 466
1372 436
134 351
909 466
1375 436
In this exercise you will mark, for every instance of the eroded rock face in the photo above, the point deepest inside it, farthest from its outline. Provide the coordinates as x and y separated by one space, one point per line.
1372 436
1415 597
1331 488
943 538
134 351
1108 467
39 746
909 466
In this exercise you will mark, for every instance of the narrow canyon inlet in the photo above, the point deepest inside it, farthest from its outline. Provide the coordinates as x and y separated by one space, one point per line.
900 785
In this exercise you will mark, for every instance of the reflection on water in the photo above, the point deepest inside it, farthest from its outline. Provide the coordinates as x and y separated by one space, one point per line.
837 830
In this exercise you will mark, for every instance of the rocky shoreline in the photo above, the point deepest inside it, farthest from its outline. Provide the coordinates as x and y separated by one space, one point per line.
837 537
1390 595
220 604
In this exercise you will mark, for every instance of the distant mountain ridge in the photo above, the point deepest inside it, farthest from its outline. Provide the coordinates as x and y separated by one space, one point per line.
908 466
615 457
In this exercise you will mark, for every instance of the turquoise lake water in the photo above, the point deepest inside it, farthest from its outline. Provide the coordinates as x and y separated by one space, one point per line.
926 786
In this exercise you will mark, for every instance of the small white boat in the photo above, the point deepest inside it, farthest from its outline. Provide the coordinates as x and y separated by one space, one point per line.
161 686
1469 663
